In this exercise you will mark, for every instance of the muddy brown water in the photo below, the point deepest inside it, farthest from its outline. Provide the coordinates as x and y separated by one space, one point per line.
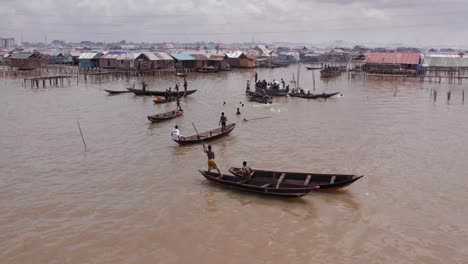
135 196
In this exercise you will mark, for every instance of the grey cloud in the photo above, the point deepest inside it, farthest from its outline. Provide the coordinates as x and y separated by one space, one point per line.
415 21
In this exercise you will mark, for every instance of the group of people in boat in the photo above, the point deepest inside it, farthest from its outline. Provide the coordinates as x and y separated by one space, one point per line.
275 85
300 91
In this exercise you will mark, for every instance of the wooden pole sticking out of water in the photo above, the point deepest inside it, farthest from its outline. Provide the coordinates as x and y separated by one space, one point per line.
435 96
394 94
463 96
79 127
448 96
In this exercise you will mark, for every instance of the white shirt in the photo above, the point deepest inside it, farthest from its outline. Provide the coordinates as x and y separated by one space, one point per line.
175 134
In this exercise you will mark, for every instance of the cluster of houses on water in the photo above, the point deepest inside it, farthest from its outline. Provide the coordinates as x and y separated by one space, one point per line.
373 61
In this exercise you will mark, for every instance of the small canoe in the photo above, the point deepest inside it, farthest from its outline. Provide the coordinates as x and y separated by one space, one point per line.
268 186
313 96
206 136
181 74
313 68
330 71
164 100
165 116
161 93
313 180
116 92
258 98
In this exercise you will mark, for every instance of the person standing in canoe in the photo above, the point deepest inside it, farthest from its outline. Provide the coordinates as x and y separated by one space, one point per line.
178 104
222 121
211 159
175 133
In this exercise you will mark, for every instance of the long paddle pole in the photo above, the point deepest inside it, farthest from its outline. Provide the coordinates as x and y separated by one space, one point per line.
265 117
199 136
79 127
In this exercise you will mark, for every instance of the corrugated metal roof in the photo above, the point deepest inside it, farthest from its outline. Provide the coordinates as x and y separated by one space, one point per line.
182 57
128 56
438 60
109 56
21 56
75 53
234 55
200 56
163 56
87 56
217 57
150 55
392 58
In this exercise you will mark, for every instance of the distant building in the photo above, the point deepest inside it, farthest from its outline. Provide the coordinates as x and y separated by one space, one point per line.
89 60
109 61
392 63
26 60
184 60
154 60
445 64
239 59
7 42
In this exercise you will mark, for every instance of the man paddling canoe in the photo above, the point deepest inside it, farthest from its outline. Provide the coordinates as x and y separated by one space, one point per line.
211 159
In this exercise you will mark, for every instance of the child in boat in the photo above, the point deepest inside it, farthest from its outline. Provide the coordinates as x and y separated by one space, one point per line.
247 172
211 159
222 121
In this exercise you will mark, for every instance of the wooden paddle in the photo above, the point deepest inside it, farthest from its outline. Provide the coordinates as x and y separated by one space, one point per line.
247 120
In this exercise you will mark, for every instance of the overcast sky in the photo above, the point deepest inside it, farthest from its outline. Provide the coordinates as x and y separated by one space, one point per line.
415 22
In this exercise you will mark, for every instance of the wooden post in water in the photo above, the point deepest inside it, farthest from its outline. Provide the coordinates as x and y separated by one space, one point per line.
79 127
448 96
435 96
463 96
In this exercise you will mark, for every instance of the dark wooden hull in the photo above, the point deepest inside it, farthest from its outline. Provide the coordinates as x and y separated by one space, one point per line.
258 98
330 72
319 181
116 92
313 96
161 93
313 68
207 136
163 100
262 186
165 116
273 92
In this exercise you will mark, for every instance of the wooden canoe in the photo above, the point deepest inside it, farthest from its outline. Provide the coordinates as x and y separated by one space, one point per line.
272 92
330 71
164 100
180 93
206 136
165 116
315 180
313 68
181 74
313 96
117 92
258 98
259 185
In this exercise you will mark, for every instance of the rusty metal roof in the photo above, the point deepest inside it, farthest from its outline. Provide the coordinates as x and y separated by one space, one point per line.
392 58
199 56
